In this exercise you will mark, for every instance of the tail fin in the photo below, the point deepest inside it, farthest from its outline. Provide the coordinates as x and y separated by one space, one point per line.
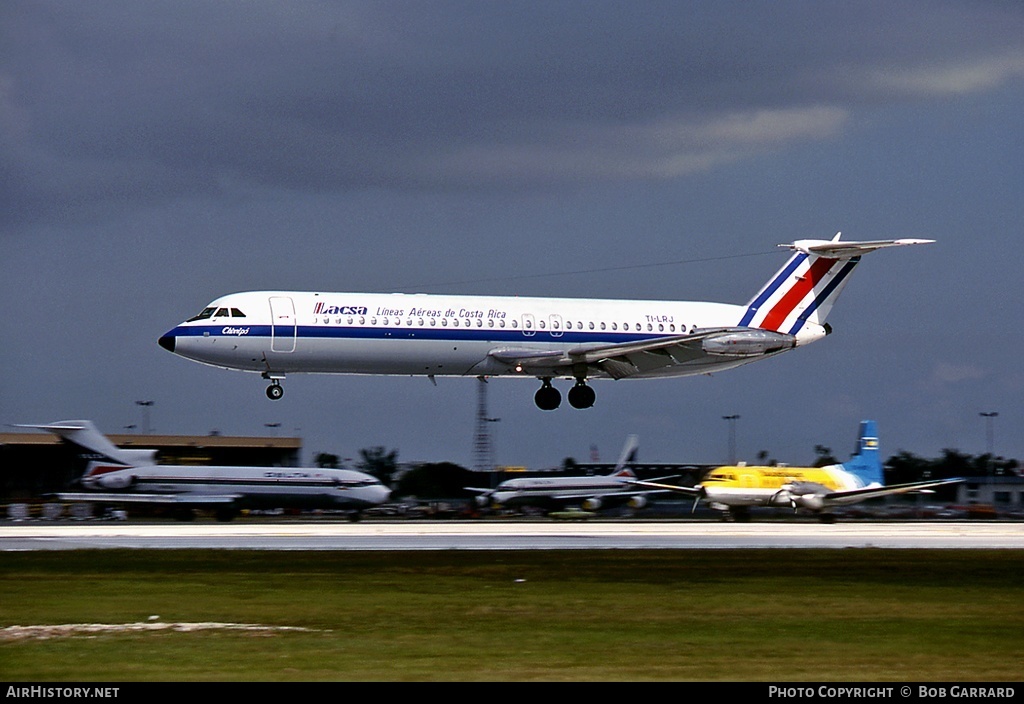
628 456
804 290
866 462
94 445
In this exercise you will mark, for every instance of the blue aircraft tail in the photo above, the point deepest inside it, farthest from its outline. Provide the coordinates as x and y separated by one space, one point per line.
866 462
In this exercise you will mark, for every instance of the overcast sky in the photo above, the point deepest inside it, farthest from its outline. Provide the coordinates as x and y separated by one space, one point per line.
155 155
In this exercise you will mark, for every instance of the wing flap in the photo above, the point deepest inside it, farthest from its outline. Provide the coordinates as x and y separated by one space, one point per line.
625 359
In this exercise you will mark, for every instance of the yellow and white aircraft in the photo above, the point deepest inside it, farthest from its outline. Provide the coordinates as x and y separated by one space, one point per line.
818 490
275 333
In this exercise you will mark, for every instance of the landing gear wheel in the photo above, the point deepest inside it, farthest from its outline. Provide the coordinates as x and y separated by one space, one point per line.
581 395
275 391
547 398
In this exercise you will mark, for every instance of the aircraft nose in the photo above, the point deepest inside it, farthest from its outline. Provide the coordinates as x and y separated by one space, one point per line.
167 342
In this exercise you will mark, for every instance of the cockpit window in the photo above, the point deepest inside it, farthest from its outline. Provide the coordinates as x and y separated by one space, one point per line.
235 313
207 313
222 313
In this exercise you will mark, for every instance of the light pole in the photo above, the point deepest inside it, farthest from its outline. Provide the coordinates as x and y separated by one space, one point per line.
146 405
988 416
732 437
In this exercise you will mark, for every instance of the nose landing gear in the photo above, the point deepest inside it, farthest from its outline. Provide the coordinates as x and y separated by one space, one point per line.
275 390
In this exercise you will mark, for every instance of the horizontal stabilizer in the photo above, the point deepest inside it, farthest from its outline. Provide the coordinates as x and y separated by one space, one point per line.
834 249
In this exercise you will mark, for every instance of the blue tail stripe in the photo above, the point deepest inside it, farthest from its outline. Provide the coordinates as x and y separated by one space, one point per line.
823 296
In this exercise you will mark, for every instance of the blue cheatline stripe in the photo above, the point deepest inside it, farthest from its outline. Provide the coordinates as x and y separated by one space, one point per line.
824 295
771 288
252 481
406 333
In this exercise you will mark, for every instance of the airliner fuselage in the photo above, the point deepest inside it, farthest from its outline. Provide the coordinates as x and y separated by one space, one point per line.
417 334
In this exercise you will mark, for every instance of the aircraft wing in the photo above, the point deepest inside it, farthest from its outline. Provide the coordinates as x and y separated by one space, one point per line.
627 359
851 496
688 490
177 499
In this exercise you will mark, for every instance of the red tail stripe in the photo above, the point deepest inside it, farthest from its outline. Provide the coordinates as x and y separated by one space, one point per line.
777 315
104 469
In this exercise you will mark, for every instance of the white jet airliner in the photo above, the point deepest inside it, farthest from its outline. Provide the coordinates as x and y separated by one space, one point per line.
116 475
281 332
588 492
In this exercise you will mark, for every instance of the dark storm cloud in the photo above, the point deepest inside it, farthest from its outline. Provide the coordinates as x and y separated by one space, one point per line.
155 155
112 104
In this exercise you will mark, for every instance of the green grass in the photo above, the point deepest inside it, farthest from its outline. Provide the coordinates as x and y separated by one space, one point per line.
706 615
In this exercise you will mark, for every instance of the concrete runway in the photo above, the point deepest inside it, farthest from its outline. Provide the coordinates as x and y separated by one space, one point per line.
509 535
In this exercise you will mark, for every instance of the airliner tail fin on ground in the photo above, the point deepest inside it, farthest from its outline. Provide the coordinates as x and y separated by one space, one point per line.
84 435
866 462
628 455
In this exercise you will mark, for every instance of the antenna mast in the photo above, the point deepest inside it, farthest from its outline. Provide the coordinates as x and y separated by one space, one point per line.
483 447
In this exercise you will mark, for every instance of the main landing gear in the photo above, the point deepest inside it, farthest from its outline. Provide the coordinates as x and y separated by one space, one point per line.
548 398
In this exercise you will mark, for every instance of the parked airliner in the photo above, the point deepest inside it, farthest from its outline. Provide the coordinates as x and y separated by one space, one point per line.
276 333
588 492
115 475
817 490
